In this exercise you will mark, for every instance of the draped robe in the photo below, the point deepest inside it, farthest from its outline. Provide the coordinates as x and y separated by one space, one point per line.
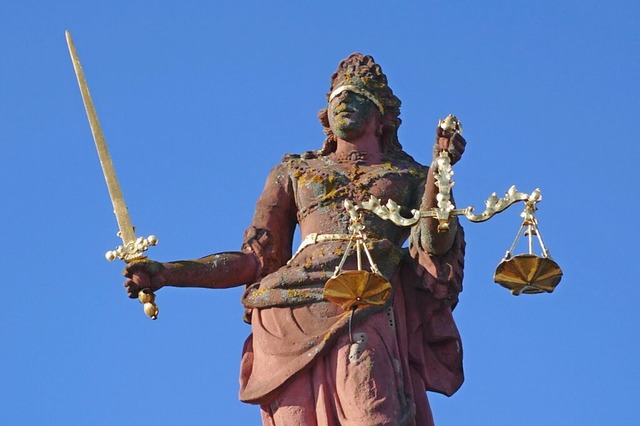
300 363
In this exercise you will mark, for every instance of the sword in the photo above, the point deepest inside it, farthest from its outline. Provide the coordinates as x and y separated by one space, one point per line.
132 247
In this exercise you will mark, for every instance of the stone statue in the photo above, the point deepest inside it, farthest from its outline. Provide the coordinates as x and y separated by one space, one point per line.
306 362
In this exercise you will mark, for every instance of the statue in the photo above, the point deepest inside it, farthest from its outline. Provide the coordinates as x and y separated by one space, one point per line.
307 360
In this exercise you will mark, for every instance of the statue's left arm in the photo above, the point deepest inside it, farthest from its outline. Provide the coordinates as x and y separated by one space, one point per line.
432 240
439 255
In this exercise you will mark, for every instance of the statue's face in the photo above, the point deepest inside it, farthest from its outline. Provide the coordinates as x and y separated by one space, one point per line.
349 114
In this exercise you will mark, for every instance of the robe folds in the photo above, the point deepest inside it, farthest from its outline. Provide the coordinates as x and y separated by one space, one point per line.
301 363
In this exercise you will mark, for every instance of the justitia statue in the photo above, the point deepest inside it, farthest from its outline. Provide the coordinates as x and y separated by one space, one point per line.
309 361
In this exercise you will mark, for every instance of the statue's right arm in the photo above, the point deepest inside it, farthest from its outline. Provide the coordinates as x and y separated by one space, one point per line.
267 247
221 270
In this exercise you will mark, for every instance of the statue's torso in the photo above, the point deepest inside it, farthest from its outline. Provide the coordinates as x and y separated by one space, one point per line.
321 185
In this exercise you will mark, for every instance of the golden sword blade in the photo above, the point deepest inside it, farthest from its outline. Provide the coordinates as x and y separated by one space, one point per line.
132 248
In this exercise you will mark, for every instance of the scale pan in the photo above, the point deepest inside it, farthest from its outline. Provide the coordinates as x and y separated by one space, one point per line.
354 289
529 274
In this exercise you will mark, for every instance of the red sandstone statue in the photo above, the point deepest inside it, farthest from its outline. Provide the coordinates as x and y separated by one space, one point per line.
306 362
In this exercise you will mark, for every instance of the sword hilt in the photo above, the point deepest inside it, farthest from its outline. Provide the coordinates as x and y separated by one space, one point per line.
132 252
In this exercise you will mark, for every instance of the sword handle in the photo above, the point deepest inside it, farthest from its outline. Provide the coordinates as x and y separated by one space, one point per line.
147 298
146 295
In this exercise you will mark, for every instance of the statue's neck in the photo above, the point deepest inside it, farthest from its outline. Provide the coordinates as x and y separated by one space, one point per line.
368 144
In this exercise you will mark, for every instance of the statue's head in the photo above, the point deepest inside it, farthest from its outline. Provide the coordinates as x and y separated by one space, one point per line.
360 74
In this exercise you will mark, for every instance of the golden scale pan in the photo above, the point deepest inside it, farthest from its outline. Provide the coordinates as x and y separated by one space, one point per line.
353 289
528 273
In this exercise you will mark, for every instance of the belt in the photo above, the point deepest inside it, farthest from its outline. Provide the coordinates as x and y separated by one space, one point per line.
314 238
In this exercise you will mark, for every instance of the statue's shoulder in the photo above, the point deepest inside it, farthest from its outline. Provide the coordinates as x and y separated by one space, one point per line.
307 155
291 162
298 161
290 158
292 165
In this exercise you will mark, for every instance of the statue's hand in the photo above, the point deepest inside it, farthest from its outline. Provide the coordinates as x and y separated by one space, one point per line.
451 142
143 274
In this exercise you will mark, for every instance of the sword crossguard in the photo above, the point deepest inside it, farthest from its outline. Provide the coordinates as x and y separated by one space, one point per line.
133 250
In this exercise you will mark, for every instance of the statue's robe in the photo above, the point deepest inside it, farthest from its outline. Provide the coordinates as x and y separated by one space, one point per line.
300 363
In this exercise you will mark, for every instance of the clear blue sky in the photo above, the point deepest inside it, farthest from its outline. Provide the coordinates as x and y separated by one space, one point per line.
198 100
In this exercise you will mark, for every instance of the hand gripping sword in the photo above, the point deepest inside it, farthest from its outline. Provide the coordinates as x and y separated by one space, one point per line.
132 248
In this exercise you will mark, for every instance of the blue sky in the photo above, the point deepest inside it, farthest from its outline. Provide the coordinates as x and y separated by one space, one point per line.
199 100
